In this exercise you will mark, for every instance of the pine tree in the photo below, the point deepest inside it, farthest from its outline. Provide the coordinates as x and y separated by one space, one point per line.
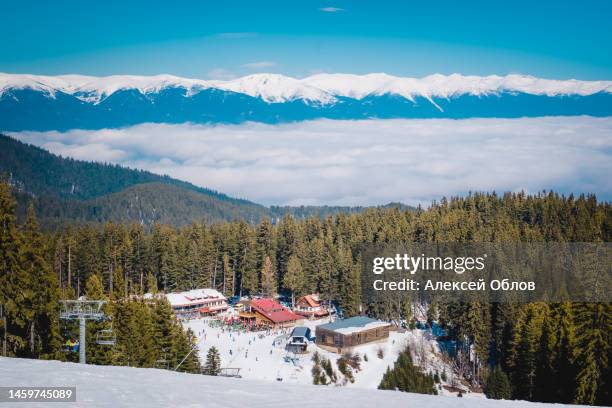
228 276
556 373
135 330
498 385
213 362
164 323
593 351
268 280
151 284
15 285
265 262
186 350
294 278
345 369
119 285
42 328
523 359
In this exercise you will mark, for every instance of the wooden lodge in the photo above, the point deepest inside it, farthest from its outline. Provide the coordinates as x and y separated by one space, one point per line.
309 306
347 333
268 313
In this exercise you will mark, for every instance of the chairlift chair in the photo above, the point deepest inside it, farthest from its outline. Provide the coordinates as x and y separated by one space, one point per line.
106 337
163 363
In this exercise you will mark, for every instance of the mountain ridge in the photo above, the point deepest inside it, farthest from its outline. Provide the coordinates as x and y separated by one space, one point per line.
39 103
320 88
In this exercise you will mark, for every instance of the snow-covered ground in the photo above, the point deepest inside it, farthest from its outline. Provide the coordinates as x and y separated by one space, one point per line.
258 359
107 386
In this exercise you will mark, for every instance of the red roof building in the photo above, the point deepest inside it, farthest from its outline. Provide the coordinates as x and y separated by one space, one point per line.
310 306
268 312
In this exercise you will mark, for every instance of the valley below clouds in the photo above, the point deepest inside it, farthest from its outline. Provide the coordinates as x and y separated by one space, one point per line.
366 162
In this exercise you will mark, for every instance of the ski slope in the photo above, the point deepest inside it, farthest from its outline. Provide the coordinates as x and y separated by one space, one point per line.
107 386
259 359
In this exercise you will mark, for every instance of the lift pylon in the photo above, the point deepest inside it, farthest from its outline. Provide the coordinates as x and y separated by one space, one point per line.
82 310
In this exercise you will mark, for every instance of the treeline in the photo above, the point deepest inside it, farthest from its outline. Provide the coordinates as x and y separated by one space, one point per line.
145 333
323 255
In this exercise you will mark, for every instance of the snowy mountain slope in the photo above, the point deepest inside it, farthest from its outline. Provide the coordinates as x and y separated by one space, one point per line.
34 102
275 88
106 386
445 86
95 89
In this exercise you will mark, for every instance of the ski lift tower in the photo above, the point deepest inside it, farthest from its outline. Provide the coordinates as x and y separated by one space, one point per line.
82 310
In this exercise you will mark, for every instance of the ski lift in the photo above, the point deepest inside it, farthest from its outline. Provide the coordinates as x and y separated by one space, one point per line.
163 363
106 337
230 372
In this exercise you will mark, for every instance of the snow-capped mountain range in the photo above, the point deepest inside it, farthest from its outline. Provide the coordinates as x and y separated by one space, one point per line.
321 88
66 101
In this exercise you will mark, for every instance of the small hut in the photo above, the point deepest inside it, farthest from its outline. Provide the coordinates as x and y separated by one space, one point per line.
298 340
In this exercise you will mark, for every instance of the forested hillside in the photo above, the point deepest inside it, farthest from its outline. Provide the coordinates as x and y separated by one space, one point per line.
39 172
547 351
73 190
146 204
66 190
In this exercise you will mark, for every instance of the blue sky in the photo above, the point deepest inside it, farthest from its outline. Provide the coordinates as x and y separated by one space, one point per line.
556 39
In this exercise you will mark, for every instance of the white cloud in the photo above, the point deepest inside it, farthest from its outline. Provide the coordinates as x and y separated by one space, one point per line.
331 9
260 65
360 162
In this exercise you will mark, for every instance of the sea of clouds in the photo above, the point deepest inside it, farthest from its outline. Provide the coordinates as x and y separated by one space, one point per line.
365 162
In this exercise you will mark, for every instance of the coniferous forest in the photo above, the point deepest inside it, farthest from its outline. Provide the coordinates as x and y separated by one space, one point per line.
556 352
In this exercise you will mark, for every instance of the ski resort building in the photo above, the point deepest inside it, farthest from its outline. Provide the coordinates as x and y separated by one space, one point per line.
310 307
298 340
197 303
347 333
268 313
